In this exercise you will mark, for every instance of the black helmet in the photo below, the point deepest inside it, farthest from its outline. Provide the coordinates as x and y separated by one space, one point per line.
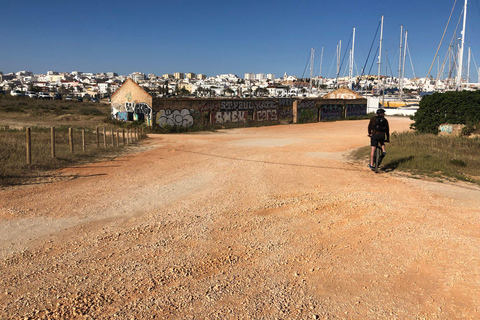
380 111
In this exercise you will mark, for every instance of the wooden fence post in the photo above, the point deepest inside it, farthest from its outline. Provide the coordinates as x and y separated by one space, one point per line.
70 139
104 137
118 138
98 139
52 134
29 146
84 145
295 111
113 137
123 134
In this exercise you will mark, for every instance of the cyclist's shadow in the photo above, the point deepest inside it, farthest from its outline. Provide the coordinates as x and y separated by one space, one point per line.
391 166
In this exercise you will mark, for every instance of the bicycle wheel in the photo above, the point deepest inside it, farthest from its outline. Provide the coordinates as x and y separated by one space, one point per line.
378 154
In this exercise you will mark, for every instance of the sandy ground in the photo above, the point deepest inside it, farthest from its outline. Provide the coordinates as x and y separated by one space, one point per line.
254 223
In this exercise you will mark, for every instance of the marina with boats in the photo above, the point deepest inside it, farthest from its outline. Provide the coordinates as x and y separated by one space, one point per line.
397 92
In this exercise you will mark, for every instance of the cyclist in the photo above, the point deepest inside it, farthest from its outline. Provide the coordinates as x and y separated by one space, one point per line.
379 132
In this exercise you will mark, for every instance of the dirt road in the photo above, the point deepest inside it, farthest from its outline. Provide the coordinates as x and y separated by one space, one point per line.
255 223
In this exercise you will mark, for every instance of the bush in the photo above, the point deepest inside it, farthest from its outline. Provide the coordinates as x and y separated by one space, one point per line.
469 129
450 107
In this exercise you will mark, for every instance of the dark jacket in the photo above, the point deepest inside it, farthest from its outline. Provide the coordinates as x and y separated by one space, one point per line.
373 130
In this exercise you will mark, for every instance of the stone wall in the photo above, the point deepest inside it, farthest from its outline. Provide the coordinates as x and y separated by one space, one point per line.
187 112
131 103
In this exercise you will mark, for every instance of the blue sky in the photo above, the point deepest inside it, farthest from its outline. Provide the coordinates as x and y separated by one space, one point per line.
215 37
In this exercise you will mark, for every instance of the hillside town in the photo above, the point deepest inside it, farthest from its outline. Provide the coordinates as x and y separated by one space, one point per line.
103 85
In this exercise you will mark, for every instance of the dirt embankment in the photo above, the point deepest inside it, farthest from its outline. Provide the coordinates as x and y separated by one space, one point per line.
260 223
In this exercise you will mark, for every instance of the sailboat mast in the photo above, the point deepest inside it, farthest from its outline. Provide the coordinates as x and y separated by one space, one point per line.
380 53
404 54
468 64
400 78
312 57
339 50
320 72
352 53
460 54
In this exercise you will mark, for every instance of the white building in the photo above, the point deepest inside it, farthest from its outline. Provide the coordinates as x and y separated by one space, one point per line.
24 73
271 76
137 76
249 76
277 91
260 76
102 87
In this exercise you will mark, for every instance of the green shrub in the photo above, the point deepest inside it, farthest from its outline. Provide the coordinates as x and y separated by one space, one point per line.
450 107
469 128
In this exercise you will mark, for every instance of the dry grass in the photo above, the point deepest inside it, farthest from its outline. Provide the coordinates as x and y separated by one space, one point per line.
18 113
432 155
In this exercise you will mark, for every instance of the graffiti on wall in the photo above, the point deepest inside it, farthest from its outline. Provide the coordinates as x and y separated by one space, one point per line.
285 112
231 116
285 102
306 104
308 115
122 116
180 118
446 128
267 115
236 105
209 106
356 110
342 95
238 110
129 106
142 108
265 104
332 111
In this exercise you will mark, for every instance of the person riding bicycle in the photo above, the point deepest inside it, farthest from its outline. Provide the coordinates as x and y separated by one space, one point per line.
379 132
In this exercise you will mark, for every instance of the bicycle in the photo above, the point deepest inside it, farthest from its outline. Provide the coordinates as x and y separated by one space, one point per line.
378 156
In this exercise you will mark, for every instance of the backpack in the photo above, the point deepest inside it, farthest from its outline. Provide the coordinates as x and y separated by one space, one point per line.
381 124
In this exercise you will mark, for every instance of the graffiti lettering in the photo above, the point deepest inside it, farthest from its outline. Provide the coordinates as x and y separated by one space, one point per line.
306 104
142 108
129 106
285 102
209 106
264 105
446 128
122 116
267 115
356 110
180 118
344 96
285 112
235 105
331 112
231 116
